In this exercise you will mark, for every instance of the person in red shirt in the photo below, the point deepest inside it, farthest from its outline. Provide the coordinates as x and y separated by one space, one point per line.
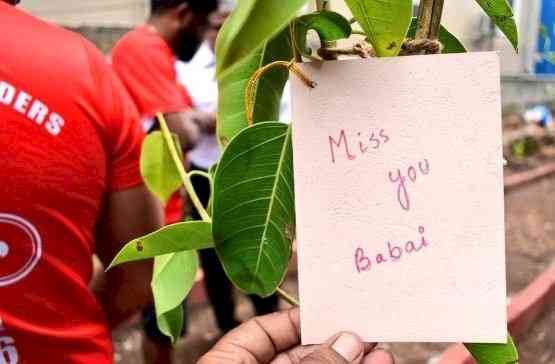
69 144
145 60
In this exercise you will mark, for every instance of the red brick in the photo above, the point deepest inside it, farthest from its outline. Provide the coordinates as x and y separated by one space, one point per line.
523 310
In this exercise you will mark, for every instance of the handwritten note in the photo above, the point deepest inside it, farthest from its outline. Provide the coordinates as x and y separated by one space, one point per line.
399 199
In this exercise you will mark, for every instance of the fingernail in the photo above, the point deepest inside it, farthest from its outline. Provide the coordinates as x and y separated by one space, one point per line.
348 346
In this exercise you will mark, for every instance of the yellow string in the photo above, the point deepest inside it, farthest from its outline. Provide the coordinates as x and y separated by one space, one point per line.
253 82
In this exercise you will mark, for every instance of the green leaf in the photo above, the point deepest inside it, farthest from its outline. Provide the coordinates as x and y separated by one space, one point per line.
157 167
450 43
231 101
525 147
174 276
191 235
250 25
501 13
384 21
254 216
171 323
494 353
329 25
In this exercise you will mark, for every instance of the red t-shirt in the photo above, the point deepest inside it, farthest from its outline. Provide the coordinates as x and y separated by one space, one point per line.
146 65
69 135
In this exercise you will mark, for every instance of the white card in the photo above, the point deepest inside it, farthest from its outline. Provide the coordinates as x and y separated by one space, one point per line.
399 199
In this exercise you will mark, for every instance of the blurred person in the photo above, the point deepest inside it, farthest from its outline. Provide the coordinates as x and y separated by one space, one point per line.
275 339
199 78
69 144
145 60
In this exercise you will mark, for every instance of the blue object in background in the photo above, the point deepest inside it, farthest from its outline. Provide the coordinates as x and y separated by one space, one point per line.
546 39
540 114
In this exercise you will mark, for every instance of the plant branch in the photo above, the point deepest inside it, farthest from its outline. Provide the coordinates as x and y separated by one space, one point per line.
322 5
287 297
186 178
429 19
436 19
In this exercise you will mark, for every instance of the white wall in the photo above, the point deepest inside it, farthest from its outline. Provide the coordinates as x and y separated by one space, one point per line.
90 13
463 18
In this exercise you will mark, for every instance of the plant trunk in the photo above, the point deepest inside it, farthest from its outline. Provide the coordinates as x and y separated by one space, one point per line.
322 5
429 19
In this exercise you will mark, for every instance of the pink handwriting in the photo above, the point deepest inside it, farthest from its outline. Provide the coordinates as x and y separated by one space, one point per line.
365 144
401 181
394 253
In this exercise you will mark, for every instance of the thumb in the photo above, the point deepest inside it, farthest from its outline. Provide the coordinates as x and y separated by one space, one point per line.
347 348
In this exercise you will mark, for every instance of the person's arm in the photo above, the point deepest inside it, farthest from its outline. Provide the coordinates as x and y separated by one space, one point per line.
206 121
188 125
129 210
128 214
183 125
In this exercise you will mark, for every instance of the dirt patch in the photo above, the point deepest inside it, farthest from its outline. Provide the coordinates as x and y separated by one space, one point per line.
539 345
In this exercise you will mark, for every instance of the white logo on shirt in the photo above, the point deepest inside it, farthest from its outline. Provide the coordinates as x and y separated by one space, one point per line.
4 249
16 265
32 108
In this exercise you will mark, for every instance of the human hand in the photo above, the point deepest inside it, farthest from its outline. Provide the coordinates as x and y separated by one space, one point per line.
205 120
275 339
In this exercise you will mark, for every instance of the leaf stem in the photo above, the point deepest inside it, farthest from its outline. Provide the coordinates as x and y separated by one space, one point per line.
208 176
324 5
287 297
201 174
185 177
294 47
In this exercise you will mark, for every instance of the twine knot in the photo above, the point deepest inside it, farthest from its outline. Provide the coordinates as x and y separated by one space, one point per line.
412 47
